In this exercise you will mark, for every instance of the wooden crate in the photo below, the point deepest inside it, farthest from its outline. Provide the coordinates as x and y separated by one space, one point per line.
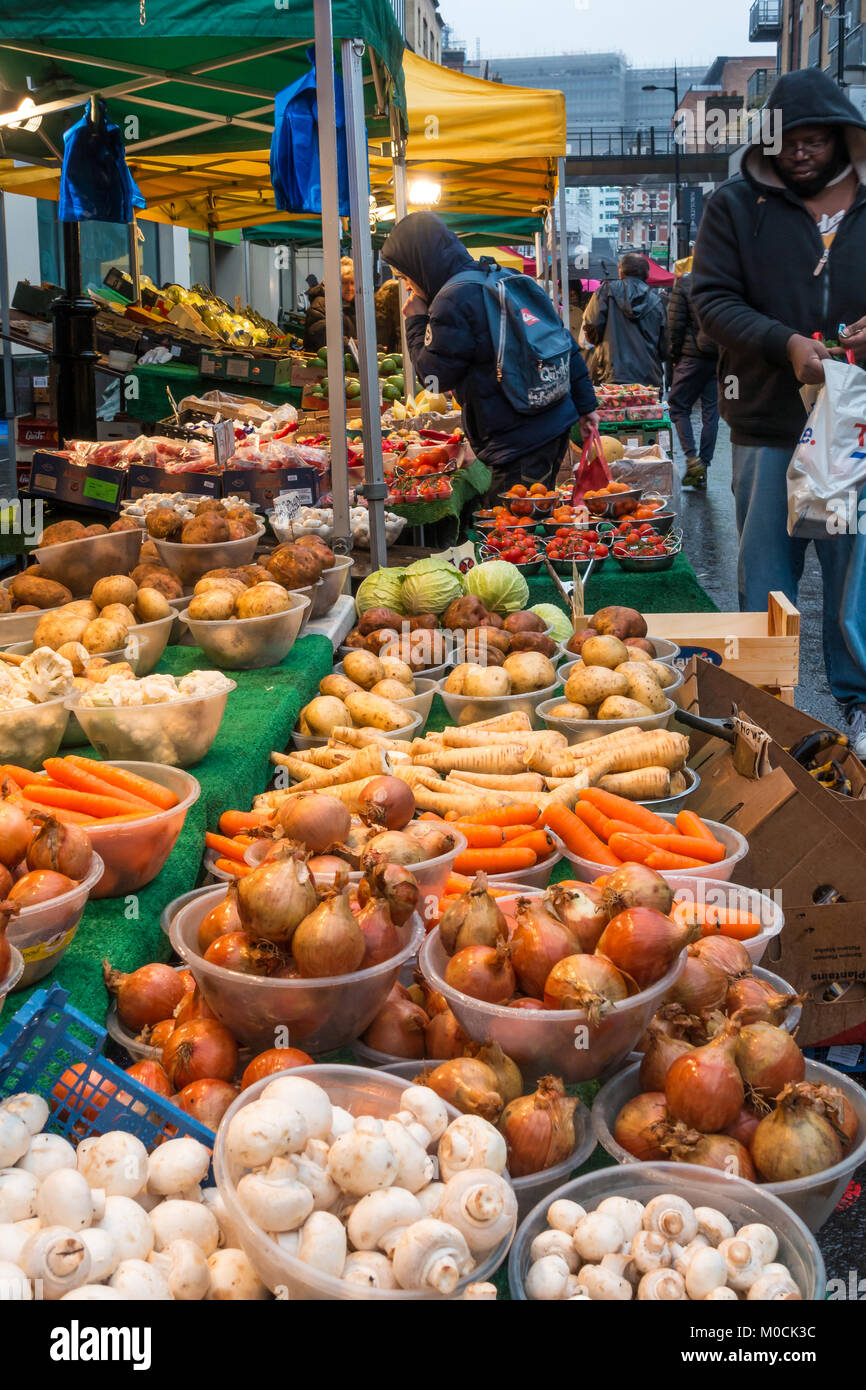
761 648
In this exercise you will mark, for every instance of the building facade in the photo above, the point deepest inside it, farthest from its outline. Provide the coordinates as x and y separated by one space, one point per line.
423 31
806 34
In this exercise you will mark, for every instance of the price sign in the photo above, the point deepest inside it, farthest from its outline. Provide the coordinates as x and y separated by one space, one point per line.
223 441
100 490
286 508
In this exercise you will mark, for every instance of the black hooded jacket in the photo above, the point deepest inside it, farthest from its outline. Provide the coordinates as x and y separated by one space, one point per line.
315 335
685 338
452 350
756 277
625 320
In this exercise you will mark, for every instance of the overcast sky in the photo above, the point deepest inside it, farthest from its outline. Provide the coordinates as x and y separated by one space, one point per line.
649 32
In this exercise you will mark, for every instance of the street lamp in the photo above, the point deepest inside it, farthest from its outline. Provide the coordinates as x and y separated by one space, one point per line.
675 89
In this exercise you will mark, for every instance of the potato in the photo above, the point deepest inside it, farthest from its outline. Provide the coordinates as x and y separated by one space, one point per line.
5 601
337 685
364 669
124 523
644 644
316 543
369 710
118 613
481 652
255 574
81 608
575 642
524 622
235 572
454 683
379 617
103 635
619 622
261 600
95 528
99 670
57 629
604 651
164 523
643 687
149 555
210 528
77 656
463 613
663 674
619 707
636 653
115 588
151 605
38 593
208 504
493 637
61 532
225 585
158 577
391 690
590 685
533 642
325 713
214 605
398 671
530 671
568 711
487 681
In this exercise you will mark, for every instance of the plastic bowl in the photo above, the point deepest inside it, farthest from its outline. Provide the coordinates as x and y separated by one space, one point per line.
536 877
581 730
311 593
741 1201
190 562
335 580
419 703
362 1092
79 564
736 844
472 709
792 1018
555 1040
248 644
13 975
20 627
180 634
44 931
133 852
405 734
29 735
177 733
715 892
144 646
813 1199
666 650
673 804
318 1015
430 673
213 874
170 911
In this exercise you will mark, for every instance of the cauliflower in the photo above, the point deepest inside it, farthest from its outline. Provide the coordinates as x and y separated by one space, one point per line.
48 675
10 702
199 683
10 680
113 695
157 690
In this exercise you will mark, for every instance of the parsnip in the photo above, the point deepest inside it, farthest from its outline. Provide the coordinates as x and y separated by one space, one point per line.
371 761
678 783
300 771
518 781
361 738
506 723
471 736
646 784
502 758
323 757
657 748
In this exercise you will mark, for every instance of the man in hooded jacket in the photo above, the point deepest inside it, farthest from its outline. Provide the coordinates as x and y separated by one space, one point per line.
781 255
451 349
626 322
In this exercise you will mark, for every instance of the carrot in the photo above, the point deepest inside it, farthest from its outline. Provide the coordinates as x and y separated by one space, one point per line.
19 775
595 819
457 884
539 840
80 779
619 808
431 815
494 861
231 866
514 832
663 859
622 827
481 836
142 787
631 849
113 820
507 815
691 825
717 921
234 822
227 848
578 837
67 817
100 807
710 852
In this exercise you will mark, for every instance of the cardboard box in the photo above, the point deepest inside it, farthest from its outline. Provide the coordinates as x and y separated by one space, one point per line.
259 485
34 433
93 487
240 367
36 299
306 370
760 648
143 478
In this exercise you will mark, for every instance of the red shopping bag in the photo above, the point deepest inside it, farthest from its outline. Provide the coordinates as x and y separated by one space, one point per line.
592 472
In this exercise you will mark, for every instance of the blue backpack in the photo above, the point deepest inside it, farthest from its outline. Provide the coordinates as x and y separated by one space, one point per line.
533 348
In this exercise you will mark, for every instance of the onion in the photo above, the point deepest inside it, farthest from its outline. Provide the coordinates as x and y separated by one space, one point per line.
756 1001
206 1100
768 1059
381 937
725 954
482 972
146 996
528 1005
641 1124
661 1052
192 1006
473 920
329 941
719 1151
6 913
316 819
590 983
354 844
634 885
396 885
159 1034
398 1028
239 952
221 919
274 1060
328 870
583 915
432 840
796 1140
508 1077
392 847
6 882
469 1085
704 1089
539 1129
275 898
64 848
152 1075
443 1036
744 1126
836 1107
200 1049
15 833
644 943
40 886
539 942
701 986
386 801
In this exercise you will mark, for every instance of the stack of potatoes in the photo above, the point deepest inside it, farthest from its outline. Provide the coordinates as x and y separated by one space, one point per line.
90 626
613 681
364 696
211 524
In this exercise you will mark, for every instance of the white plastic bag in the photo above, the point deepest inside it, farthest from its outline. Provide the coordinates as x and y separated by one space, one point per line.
829 463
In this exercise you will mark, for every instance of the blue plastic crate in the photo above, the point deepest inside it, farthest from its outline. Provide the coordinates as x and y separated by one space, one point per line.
48 1036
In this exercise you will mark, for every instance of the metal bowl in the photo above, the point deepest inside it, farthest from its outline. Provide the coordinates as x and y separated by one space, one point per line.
646 564
79 564
606 506
335 580
248 644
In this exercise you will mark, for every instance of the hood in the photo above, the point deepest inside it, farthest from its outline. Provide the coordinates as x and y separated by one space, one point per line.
315 293
422 247
806 97
634 297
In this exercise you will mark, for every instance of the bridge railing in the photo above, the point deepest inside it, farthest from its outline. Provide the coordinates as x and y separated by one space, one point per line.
653 142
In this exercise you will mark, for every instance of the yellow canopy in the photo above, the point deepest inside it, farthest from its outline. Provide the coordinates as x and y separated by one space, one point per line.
491 148
509 260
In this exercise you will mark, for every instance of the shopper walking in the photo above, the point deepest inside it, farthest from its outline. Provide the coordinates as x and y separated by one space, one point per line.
780 256
625 322
315 330
695 361
451 347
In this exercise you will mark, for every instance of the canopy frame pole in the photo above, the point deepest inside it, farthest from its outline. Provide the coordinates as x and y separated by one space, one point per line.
553 283
563 239
74 352
375 490
8 363
211 259
247 290
540 260
401 208
134 263
331 235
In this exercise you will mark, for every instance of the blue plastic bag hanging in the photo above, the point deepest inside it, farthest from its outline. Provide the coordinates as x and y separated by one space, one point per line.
95 182
295 174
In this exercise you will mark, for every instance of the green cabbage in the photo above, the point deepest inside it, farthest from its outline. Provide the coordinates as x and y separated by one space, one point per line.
499 585
430 585
381 589
560 625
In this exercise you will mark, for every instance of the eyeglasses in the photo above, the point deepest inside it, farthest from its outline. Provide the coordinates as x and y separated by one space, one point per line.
815 144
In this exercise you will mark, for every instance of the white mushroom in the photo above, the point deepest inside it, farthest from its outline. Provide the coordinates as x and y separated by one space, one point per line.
19 1195
57 1260
662 1284
14 1139
483 1207
427 1108
478 1292
713 1225
322 1243
773 1288
721 1295
319 1181
184 1267
299 1093
286 1240
563 1215
102 1251
624 1266
597 1235
116 1163
65 1199
212 1199
378 1220
46 1154
471 1142
369 1268
13 1237
555 1242
706 1270
763 1240
129 1227
626 1211
15 1287
547 1279
415 1167
430 1198
29 1108
179 1164
232 1277
603 1284
431 1254
264 1129
274 1203
139 1280
369 1124
649 1250
360 1162
95 1293
743 1262
341 1123
672 1217
682 1254
176 1219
